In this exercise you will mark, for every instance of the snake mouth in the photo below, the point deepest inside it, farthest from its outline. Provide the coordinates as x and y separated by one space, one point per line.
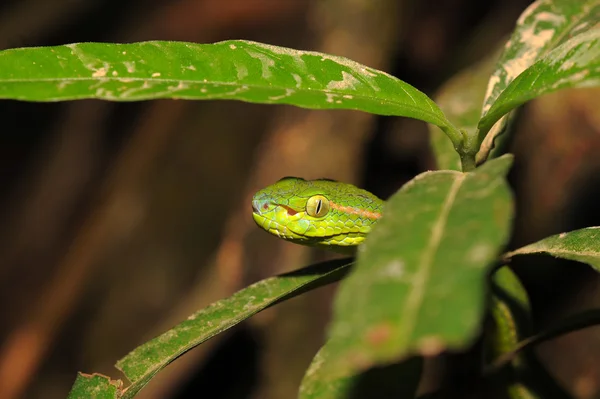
325 242
282 231
276 228
258 205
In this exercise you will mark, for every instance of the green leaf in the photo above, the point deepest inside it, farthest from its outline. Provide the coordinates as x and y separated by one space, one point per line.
460 99
94 386
148 359
543 26
510 310
524 375
575 63
399 380
580 245
576 322
234 70
419 283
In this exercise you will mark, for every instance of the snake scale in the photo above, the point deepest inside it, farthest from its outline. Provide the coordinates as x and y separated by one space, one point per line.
322 213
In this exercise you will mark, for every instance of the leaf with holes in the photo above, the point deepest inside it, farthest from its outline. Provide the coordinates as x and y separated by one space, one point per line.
419 283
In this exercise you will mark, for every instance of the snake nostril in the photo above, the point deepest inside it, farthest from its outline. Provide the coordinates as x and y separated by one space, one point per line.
255 207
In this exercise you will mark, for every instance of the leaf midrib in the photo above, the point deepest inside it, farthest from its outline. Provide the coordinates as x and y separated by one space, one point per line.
433 116
551 251
415 297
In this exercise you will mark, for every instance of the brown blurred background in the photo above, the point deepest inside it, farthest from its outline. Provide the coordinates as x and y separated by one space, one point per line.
119 220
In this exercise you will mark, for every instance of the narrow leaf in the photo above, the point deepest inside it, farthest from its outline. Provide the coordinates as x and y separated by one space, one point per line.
95 386
148 359
234 70
576 322
525 375
575 63
418 286
580 245
543 26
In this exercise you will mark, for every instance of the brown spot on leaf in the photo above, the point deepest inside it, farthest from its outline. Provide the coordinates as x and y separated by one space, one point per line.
379 334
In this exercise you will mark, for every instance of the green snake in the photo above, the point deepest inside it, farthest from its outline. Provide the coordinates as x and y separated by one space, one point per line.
339 216
320 213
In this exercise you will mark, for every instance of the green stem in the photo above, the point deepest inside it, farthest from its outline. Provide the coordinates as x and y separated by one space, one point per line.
468 151
463 145
467 162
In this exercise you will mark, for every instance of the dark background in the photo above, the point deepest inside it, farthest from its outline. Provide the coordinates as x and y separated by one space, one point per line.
119 220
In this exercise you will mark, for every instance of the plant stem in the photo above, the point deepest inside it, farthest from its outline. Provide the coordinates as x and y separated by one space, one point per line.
463 144
467 162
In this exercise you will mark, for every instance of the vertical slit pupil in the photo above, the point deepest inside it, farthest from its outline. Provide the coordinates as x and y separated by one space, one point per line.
318 206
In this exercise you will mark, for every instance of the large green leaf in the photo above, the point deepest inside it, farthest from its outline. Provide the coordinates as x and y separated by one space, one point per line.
541 28
579 245
419 283
95 386
399 380
235 70
148 359
575 63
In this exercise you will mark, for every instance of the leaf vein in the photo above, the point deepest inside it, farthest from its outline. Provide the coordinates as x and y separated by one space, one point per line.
421 277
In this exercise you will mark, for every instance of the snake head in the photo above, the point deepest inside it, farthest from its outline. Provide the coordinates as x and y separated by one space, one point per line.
322 212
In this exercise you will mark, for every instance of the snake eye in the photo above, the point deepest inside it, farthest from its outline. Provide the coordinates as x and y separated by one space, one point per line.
317 206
